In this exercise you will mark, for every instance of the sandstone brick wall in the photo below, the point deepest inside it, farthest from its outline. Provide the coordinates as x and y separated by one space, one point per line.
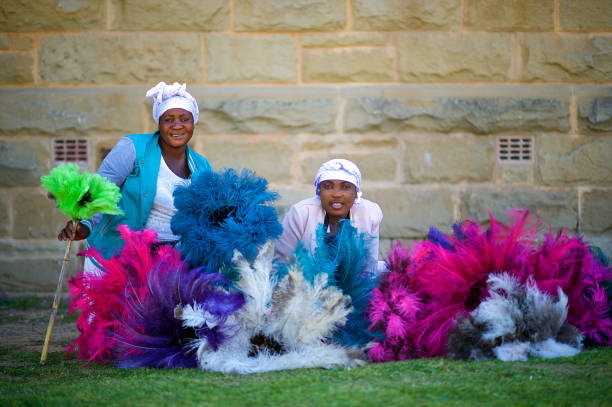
416 92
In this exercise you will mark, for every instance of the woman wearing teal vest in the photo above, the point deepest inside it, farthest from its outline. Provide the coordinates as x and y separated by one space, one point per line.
147 168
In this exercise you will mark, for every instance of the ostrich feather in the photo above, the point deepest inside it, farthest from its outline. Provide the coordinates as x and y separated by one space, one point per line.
181 311
514 321
323 355
568 262
344 259
303 313
80 195
220 212
297 315
100 297
257 284
445 280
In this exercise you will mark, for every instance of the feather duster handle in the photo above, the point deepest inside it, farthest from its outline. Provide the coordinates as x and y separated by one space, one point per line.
221 212
81 195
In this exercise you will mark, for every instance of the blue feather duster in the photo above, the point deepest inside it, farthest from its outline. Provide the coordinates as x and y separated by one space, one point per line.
344 258
152 334
221 212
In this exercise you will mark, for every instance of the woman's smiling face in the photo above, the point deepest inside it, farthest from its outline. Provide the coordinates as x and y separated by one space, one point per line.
176 127
337 198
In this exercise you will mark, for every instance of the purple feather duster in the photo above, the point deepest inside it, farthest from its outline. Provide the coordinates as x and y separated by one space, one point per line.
152 334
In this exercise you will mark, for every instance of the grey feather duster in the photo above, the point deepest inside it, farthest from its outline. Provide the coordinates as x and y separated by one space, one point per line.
515 321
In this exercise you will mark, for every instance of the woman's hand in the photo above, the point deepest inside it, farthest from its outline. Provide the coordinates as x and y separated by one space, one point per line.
79 233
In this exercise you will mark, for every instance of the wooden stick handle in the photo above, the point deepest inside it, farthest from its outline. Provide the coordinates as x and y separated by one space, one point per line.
56 301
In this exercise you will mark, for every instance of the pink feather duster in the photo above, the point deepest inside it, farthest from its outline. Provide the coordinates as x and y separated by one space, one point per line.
100 298
431 284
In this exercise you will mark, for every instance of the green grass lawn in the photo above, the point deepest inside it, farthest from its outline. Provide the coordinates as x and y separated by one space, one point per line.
585 379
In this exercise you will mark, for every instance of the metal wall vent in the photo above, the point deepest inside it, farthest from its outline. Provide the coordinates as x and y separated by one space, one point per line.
514 149
73 150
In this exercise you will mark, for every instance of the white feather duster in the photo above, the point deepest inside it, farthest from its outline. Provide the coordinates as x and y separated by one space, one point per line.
257 284
296 314
305 314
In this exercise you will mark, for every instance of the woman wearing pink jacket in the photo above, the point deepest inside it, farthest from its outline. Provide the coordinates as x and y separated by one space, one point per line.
338 196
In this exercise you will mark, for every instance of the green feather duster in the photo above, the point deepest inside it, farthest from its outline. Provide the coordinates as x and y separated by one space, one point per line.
81 195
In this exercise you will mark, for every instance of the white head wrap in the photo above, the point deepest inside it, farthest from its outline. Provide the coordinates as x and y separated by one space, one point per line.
172 96
342 170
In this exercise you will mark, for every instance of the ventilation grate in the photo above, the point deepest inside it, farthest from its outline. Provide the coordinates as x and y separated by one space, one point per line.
514 149
73 150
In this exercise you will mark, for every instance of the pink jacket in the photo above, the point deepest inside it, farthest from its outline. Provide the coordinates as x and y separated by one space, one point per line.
304 217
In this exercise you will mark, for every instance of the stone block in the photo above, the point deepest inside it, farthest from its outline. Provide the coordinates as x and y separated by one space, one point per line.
596 208
448 159
390 15
23 161
35 274
185 15
4 41
35 215
290 15
593 15
604 242
453 57
100 149
566 58
16 68
409 213
52 15
243 58
567 160
269 157
595 115
455 114
65 111
22 42
319 143
343 40
374 166
266 115
347 65
375 141
515 173
557 208
513 15
5 213
288 197
92 58
38 248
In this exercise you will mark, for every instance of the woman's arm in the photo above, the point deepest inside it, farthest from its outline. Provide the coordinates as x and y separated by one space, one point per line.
115 167
293 230
376 217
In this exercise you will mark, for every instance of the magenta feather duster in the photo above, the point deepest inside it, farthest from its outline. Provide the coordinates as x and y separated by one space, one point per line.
434 282
100 298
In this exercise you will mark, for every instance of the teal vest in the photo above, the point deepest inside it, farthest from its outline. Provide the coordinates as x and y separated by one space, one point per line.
137 193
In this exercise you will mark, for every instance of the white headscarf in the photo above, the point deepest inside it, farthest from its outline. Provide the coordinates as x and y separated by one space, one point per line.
167 97
342 170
